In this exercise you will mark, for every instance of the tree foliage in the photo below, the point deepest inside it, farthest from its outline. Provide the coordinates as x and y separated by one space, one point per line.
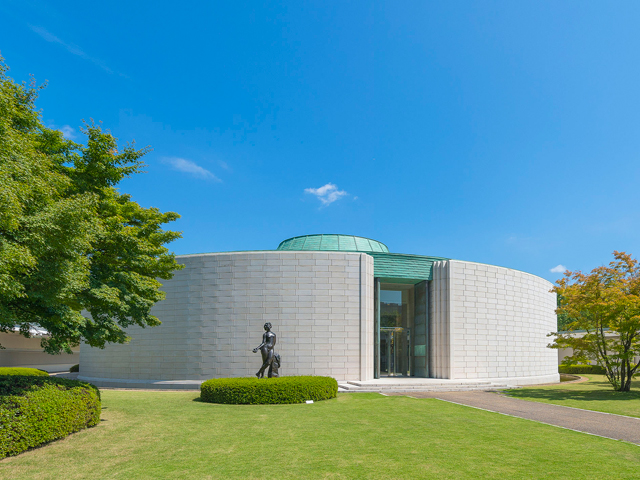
602 312
69 241
563 318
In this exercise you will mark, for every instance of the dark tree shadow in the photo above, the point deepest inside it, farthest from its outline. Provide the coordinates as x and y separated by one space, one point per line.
593 390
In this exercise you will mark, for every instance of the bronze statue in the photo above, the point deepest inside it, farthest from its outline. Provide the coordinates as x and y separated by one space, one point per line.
270 358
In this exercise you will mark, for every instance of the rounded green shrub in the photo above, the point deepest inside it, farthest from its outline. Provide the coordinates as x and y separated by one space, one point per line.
578 369
75 368
37 409
254 391
30 372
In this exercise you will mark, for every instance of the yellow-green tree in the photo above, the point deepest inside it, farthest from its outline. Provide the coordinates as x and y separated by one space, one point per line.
603 312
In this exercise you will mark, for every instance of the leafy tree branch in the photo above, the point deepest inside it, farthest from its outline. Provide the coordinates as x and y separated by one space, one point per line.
70 242
601 318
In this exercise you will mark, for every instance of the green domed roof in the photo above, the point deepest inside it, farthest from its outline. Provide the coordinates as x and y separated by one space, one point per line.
332 242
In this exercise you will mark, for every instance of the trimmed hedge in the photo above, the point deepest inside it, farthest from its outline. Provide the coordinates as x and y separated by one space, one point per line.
31 372
578 369
74 368
37 410
254 391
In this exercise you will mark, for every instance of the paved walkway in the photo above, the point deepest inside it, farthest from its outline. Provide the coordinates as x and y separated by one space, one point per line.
617 427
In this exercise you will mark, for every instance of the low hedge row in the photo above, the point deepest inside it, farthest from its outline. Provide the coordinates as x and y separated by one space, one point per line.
31 372
36 410
253 391
578 369
74 368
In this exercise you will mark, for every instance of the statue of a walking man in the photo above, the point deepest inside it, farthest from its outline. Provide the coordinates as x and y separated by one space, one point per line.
270 359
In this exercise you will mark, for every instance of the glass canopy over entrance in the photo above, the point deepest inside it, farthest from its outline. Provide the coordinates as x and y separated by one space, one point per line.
401 330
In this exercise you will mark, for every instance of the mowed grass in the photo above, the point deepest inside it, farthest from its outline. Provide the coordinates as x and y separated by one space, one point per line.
596 394
171 435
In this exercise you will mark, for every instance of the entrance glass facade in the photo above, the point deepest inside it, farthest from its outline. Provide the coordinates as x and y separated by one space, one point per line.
401 341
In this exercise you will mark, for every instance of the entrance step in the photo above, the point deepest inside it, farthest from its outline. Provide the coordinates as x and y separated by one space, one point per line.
451 388
408 387
411 382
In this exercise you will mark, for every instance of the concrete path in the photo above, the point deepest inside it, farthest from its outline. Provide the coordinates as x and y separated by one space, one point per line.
617 427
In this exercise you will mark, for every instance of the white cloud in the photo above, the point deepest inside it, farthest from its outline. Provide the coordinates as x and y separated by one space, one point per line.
68 132
559 269
327 194
71 48
192 168
224 165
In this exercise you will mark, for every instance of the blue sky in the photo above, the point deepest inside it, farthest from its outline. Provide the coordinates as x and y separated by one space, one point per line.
499 132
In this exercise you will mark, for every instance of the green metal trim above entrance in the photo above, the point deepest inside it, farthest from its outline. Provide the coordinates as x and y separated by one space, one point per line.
403 268
333 242
393 267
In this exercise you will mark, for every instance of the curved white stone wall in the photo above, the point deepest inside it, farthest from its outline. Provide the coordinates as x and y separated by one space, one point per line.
486 322
320 305
491 322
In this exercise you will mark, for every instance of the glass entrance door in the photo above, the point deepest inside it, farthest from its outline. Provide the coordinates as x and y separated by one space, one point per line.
400 329
395 348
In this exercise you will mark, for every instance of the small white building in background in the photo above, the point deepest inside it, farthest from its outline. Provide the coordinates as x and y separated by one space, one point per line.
20 351
567 352
341 306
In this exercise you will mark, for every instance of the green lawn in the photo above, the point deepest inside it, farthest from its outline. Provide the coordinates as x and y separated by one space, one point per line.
171 435
596 394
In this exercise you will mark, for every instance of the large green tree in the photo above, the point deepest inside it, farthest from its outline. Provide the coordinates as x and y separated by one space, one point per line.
70 243
602 318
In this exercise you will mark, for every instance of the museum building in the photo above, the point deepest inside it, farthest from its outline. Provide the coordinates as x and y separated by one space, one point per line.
341 306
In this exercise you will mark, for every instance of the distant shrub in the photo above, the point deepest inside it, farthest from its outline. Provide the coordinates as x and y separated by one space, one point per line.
75 368
37 409
30 372
252 391
578 369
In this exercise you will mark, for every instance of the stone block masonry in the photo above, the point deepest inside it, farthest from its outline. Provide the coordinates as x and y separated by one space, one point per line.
485 322
320 305
492 322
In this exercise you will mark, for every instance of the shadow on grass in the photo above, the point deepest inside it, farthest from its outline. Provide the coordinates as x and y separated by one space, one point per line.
573 395
593 390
